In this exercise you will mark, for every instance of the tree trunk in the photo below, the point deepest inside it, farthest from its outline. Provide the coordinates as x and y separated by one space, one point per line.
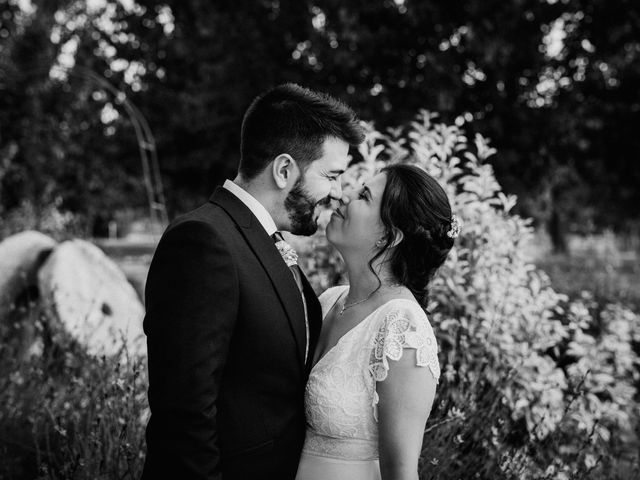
557 231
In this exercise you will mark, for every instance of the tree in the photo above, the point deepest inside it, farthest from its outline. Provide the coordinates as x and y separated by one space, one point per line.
60 148
553 84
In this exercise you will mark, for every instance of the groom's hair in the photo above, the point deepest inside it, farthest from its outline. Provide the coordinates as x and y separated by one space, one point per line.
294 120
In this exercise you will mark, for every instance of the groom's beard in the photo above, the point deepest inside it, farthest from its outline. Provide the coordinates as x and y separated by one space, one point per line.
301 207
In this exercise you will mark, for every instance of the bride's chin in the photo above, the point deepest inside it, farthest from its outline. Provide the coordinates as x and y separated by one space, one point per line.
330 233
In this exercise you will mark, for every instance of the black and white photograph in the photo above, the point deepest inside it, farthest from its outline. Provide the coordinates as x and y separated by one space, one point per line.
319 240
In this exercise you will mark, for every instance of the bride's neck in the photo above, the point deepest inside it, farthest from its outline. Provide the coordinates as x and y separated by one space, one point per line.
362 281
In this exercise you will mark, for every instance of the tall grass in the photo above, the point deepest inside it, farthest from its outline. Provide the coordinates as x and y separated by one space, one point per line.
66 415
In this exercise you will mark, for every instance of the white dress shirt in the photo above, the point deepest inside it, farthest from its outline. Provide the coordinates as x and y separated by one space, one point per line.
261 213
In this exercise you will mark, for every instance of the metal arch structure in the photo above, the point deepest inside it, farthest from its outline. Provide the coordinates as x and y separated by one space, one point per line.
145 139
146 147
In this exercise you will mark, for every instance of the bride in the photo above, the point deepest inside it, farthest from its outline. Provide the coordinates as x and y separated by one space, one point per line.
376 367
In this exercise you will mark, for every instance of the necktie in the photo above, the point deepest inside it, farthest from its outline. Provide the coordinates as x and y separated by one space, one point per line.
297 275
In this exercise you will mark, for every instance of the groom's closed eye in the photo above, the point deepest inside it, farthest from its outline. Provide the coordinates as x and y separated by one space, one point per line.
333 174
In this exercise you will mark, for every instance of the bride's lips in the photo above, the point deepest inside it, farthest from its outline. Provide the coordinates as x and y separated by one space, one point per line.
338 213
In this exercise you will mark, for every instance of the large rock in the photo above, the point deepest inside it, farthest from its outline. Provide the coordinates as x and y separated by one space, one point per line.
20 258
88 298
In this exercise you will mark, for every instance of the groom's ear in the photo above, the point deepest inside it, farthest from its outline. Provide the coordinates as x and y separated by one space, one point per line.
284 170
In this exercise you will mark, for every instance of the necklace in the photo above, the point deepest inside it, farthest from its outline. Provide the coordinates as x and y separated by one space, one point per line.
349 305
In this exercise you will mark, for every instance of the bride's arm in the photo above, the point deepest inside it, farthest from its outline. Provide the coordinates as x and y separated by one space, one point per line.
406 396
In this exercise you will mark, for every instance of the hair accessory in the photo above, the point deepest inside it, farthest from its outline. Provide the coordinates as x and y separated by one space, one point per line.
456 225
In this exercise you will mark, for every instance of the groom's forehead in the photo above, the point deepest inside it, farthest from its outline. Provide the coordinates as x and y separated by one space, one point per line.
334 156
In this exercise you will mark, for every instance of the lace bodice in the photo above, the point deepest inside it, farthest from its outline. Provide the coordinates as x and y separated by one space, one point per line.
340 398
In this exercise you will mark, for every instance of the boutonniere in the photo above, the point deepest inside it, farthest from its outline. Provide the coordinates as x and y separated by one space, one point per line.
287 252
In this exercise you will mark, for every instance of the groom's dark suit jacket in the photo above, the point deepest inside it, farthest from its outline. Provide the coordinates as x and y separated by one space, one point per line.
226 339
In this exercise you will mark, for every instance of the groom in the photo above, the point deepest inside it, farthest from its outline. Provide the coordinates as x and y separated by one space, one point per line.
231 329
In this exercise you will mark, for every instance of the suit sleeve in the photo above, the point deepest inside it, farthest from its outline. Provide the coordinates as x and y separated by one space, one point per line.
191 300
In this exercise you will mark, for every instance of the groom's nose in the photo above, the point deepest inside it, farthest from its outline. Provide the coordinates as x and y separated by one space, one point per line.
336 191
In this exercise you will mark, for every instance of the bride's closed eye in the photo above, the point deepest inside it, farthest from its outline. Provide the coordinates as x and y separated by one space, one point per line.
364 194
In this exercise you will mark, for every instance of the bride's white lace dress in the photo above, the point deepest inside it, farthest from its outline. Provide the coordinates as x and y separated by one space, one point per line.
341 399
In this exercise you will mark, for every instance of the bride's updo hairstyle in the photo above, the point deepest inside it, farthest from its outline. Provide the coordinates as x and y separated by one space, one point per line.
415 203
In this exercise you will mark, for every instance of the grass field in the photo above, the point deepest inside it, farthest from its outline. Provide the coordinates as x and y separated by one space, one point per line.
604 265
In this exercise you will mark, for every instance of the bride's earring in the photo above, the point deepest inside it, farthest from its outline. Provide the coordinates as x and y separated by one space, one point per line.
380 243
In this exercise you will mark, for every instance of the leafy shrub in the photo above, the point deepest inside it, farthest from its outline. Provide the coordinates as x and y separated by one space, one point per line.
533 385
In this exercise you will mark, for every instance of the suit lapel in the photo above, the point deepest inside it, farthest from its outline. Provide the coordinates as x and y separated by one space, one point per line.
267 253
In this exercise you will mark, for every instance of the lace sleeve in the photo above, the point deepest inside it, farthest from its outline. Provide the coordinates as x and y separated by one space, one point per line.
402 329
